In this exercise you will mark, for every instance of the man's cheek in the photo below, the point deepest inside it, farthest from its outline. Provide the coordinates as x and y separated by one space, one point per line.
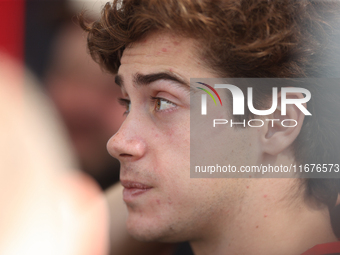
157 205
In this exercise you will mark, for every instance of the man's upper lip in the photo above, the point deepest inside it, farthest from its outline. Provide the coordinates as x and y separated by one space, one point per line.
134 185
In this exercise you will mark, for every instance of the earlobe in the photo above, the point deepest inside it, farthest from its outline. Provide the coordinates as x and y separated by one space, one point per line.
281 130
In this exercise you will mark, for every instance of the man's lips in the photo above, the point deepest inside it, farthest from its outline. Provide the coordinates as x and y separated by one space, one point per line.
134 185
133 189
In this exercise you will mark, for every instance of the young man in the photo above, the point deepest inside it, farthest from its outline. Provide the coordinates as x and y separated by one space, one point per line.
155 47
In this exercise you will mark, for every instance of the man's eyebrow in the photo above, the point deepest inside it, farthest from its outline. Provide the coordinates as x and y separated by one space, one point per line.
146 79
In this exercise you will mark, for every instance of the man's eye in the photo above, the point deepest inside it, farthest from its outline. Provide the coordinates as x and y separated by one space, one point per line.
162 104
126 103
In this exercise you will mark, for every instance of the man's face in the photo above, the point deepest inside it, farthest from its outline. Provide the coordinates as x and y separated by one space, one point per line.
153 145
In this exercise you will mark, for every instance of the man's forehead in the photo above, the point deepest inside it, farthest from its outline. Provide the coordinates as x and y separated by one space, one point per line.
163 52
158 44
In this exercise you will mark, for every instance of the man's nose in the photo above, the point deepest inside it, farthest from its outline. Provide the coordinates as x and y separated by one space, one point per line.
128 143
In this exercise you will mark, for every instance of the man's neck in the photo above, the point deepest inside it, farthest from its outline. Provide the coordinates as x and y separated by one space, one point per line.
270 224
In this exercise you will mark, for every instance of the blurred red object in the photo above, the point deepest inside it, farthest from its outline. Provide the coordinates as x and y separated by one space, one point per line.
12 19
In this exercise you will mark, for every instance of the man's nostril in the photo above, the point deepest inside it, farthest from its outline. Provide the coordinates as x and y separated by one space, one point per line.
125 155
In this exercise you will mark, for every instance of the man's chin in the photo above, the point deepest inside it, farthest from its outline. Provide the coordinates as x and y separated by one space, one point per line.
145 231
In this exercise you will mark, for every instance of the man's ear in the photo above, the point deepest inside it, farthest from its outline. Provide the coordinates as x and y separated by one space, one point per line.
281 130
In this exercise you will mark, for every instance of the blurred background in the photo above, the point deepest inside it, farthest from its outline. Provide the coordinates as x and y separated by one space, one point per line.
44 36
84 96
57 112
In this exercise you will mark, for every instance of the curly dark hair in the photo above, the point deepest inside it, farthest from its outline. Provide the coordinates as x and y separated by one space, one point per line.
245 38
